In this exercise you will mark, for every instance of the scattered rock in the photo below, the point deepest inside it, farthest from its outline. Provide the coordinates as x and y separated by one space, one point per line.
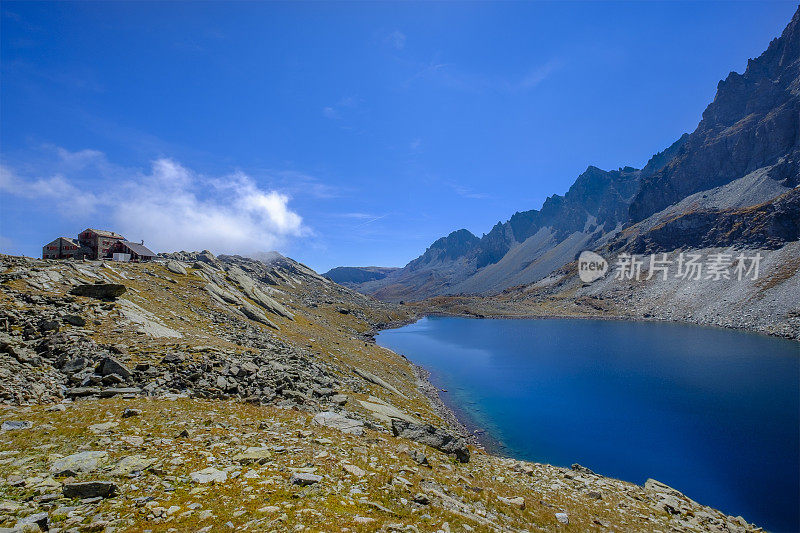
304 478
582 469
15 425
372 378
127 413
385 412
339 399
133 440
353 469
75 320
419 457
518 502
119 391
80 392
33 522
131 464
421 499
254 313
562 517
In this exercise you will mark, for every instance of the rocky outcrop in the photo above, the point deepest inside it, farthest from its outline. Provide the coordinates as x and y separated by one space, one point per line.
753 122
431 436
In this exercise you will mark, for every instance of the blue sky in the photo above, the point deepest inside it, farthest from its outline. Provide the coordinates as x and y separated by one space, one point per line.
339 133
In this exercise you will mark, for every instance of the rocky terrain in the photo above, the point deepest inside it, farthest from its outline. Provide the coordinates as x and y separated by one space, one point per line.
206 393
732 182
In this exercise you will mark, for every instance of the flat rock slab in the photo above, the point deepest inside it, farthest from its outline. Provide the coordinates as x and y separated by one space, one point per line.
385 412
91 489
209 475
104 427
79 463
253 455
337 421
131 464
353 469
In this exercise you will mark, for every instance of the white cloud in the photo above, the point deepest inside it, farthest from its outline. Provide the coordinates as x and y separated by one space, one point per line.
172 207
63 195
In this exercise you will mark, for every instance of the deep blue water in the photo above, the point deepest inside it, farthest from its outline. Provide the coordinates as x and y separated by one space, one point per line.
714 413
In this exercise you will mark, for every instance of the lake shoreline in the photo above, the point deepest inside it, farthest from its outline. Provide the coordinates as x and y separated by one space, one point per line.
461 420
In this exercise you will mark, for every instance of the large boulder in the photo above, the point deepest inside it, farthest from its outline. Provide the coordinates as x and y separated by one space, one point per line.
432 436
90 489
176 268
109 366
101 291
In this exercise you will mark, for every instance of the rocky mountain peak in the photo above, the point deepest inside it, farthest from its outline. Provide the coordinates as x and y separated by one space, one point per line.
752 123
455 245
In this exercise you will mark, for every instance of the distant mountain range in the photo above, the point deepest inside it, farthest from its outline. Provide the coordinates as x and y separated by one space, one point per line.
733 181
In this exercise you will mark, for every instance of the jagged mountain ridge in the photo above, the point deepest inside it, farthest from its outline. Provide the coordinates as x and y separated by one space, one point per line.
743 153
752 123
